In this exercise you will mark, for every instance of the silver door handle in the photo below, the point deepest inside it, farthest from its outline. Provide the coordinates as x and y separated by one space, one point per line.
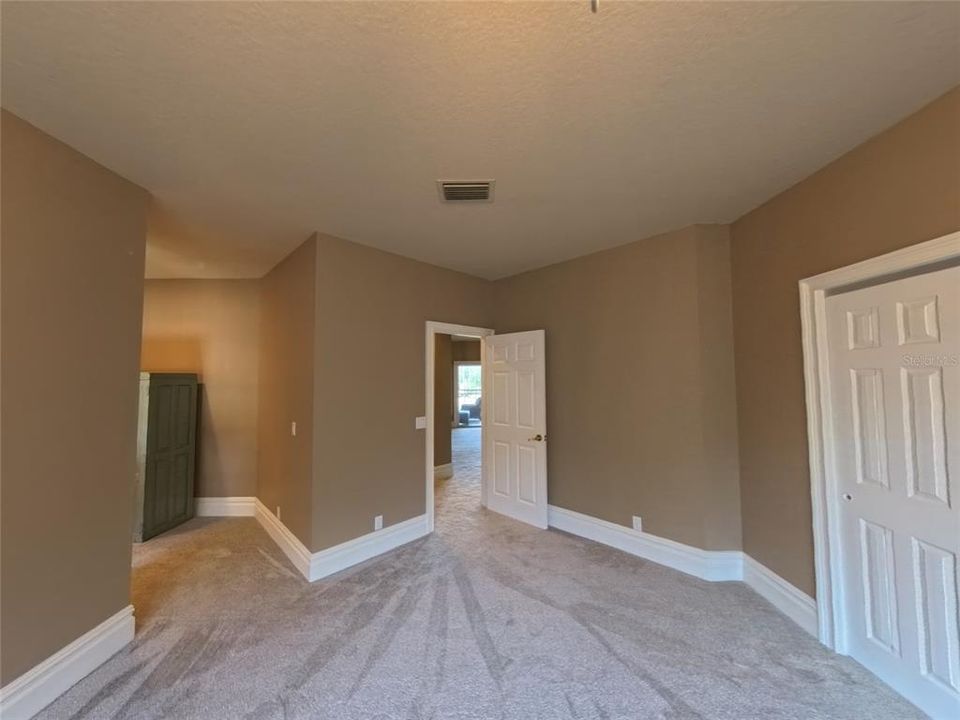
537 438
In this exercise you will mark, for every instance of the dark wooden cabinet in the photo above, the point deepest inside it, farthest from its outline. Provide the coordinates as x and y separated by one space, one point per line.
166 452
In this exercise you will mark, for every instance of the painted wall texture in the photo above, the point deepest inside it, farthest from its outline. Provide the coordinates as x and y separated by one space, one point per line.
370 458
898 189
212 328
71 292
640 387
286 389
442 399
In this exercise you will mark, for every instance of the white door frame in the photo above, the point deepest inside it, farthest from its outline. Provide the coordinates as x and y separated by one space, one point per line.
828 561
434 329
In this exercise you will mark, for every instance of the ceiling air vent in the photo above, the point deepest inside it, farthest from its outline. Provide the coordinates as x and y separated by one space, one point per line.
466 190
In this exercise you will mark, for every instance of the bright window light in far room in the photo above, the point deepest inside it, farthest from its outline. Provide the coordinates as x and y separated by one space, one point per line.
468 384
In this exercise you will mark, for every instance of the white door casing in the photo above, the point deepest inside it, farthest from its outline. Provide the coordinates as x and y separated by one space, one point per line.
515 423
894 381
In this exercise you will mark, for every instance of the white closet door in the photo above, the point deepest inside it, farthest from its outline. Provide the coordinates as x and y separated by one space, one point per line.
895 385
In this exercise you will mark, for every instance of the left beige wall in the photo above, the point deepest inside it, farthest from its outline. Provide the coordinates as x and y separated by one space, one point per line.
900 188
211 327
71 292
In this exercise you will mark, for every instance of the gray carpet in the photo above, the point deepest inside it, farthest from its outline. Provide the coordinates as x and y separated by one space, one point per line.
487 618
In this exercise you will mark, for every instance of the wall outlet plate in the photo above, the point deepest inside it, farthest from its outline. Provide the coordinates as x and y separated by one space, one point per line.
278 512
420 423
293 428
637 523
378 522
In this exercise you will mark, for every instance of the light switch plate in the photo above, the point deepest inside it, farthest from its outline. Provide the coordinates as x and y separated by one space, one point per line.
421 423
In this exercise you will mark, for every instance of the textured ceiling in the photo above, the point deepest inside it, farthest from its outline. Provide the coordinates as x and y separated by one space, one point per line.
256 124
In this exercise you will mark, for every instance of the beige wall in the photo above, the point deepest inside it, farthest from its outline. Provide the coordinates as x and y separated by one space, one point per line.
898 189
211 327
465 351
442 398
370 456
286 389
73 238
718 392
640 412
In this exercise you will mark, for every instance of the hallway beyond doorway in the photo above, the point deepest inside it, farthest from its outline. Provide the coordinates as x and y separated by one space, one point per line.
462 488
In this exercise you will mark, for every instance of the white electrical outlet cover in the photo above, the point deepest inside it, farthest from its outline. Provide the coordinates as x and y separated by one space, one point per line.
637 523
421 422
378 522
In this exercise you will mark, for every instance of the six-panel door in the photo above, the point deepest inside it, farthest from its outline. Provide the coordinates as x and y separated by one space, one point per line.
895 387
514 415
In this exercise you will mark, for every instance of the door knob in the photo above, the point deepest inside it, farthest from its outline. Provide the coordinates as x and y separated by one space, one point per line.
537 438
848 497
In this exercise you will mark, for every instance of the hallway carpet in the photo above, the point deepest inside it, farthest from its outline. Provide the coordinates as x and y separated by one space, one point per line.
487 618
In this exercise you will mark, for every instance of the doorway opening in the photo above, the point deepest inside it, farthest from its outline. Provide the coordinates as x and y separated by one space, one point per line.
454 406
467 385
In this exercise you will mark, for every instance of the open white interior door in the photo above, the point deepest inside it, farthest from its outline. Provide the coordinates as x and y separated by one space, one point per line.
515 422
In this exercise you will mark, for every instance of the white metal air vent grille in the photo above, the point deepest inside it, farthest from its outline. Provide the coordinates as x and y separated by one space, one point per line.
466 190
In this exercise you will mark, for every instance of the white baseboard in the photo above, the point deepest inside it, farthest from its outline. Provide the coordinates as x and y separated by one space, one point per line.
340 557
318 565
443 471
295 550
714 565
792 602
225 506
35 689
